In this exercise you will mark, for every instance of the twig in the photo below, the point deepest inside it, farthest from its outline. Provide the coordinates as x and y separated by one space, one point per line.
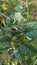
4 15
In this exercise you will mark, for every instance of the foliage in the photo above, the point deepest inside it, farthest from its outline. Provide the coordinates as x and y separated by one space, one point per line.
18 36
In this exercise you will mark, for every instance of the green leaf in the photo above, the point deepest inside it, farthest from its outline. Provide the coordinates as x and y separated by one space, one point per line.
30 26
32 34
5 38
19 9
34 43
28 49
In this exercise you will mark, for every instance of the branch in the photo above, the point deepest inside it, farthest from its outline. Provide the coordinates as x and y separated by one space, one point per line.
4 15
